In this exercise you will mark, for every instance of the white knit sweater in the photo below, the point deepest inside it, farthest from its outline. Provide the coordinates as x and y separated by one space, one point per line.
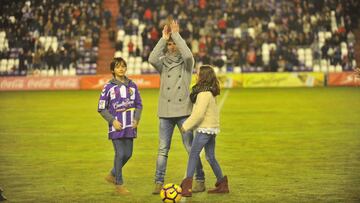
204 115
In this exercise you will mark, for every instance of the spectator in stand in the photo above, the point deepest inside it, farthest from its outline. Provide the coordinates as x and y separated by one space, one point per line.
65 59
251 57
29 61
273 64
107 18
131 48
37 59
112 35
22 62
148 15
49 58
154 35
57 61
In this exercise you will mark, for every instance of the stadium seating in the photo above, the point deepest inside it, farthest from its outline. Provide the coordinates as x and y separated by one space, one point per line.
282 38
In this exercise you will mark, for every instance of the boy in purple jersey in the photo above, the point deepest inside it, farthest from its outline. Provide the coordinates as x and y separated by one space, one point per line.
120 105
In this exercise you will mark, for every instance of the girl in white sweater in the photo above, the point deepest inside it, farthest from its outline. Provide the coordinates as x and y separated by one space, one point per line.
204 119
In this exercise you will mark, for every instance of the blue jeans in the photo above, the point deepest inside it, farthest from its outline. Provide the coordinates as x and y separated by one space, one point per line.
208 141
166 129
123 150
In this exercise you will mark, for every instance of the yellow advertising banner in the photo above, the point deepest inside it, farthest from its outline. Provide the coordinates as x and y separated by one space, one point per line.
303 79
228 80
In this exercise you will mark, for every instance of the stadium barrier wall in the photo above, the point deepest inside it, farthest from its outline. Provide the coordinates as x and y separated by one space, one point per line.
39 83
230 80
71 82
343 79
98 81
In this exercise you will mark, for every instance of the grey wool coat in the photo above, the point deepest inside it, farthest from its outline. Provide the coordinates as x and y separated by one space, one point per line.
175 77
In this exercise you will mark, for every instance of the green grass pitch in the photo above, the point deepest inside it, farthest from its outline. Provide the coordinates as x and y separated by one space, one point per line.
275 145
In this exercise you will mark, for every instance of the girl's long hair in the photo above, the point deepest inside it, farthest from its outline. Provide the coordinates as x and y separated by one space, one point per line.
207 80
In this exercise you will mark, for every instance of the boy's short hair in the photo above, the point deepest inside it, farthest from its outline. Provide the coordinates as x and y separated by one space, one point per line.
116 61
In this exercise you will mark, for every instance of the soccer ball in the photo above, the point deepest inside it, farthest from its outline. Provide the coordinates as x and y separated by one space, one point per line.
171 193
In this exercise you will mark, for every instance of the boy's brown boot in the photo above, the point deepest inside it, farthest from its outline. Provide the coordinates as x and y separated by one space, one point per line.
121 189
110 178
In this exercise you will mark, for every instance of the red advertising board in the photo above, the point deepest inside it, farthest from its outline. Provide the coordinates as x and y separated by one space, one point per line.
94 82
39 83
71 83
98 81
343 79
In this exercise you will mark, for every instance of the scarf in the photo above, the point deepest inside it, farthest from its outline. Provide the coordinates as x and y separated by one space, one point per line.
173 60
196 89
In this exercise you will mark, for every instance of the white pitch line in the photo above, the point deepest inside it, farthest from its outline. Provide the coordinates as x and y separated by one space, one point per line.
221 104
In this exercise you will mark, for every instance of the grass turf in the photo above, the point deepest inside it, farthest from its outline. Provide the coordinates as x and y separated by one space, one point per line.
275 145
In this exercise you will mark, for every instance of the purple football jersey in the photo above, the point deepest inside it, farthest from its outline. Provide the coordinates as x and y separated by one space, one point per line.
121 101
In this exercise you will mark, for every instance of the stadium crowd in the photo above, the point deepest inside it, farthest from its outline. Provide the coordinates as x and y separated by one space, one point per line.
256 35
250 35
49 34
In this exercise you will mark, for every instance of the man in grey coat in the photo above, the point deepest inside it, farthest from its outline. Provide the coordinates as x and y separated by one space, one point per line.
174 61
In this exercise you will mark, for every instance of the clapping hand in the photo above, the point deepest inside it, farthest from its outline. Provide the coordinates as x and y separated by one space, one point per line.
166 32
174 26
168 29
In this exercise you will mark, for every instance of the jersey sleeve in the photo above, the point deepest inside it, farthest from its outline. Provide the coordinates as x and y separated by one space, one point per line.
138 104
104 99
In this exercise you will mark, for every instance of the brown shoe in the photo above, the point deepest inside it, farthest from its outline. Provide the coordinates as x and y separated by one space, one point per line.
121 189
110 178
157 189
186 186
199 186
220 187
